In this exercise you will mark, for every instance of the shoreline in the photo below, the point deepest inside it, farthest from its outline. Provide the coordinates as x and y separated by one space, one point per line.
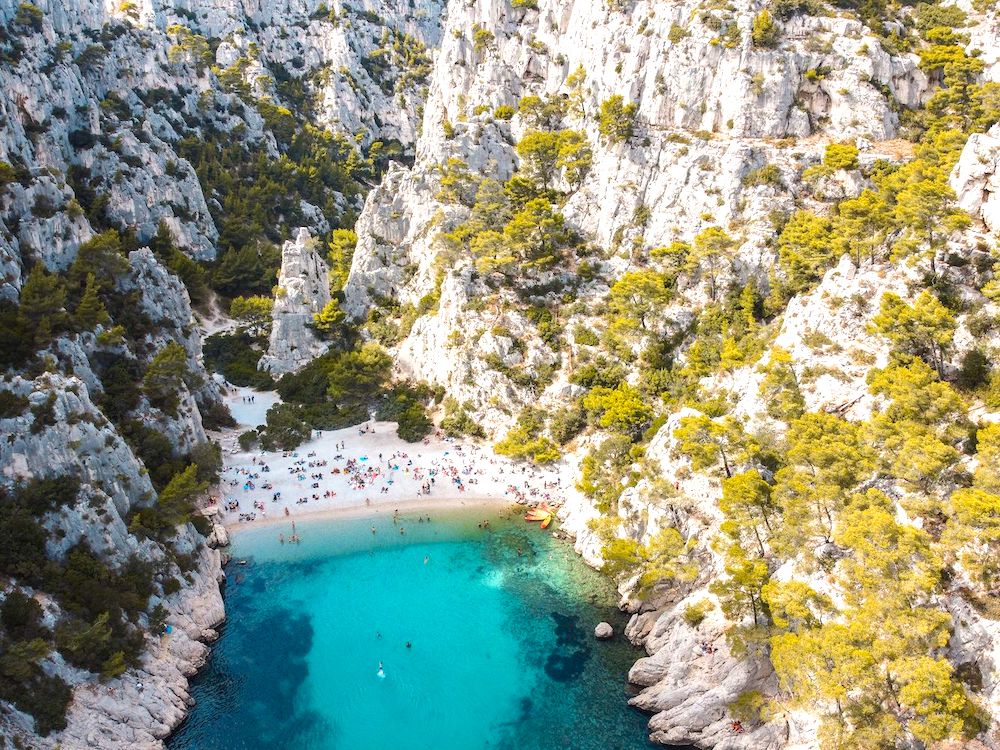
350 512
366 470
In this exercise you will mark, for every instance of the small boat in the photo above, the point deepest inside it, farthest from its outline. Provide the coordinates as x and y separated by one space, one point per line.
541 513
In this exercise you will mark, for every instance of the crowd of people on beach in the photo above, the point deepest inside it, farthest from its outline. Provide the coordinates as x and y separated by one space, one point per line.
458 469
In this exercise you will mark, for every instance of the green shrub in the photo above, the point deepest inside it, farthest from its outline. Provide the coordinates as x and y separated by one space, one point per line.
695 613
44 414
482 38
22 542
21 616
749 707
600 372
285 429
769 174
616 121
585 336
12 405
207 457
458 422
413 424
248 439
974 371
39 496
676 33
840 156
765 31
29 16
525 441
567 423
236 357
503 112
45 698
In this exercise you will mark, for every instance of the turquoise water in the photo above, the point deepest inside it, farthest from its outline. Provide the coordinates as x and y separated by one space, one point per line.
502 653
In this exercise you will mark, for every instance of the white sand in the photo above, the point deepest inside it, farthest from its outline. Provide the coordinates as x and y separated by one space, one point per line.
249 413
396 480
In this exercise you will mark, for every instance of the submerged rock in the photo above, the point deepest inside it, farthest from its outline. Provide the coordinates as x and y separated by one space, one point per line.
603 631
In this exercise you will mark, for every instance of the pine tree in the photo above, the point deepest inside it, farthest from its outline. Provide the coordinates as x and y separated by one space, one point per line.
711 254
91 311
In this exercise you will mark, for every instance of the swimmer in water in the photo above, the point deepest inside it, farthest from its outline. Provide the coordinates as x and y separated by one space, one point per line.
381 672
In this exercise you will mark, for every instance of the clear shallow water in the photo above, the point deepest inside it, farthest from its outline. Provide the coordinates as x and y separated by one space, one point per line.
502 650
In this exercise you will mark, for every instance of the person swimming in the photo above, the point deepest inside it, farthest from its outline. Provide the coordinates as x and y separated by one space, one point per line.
381 672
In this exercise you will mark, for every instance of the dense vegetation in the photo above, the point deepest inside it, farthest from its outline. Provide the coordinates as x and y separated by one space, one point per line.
874 524
105 612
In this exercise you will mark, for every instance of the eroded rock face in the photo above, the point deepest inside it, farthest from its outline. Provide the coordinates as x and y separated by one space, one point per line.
108 117
689 682
119 714
303 291
976 178
63 432
709 113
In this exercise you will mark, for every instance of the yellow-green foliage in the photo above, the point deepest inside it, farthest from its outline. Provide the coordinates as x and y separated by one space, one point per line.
663 560
189 47
616 120
526 441
765 31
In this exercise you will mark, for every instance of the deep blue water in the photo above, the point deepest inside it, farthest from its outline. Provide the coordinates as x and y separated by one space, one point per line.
501 655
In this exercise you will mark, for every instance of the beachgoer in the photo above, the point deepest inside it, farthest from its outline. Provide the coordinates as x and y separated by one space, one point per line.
381 672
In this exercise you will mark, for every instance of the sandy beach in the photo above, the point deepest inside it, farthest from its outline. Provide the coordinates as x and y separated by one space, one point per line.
368 470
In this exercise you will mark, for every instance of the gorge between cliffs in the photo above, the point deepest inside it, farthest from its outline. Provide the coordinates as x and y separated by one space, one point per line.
704 287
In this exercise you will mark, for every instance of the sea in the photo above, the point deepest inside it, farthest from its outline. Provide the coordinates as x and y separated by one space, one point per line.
440 634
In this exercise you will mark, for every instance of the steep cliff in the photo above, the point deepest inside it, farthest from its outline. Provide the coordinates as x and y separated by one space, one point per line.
732 263
667 241
144 145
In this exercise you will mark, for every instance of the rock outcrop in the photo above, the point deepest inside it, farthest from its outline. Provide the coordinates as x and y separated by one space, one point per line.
63 432
976 178
303 290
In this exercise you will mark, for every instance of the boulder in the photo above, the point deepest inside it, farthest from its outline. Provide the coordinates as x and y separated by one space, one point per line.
603 631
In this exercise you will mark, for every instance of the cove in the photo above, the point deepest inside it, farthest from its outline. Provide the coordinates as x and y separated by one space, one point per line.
500 626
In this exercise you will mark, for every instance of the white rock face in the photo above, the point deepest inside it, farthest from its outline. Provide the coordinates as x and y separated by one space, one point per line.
110 121
976 178
303 290
689 682
117 715
75 438
63 432
708 114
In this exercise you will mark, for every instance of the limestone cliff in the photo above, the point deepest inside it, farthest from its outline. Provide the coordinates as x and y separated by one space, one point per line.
303 291
155 144
725 132
103 106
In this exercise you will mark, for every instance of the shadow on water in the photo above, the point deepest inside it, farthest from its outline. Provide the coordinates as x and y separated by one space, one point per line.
259 665
569 659
567 691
